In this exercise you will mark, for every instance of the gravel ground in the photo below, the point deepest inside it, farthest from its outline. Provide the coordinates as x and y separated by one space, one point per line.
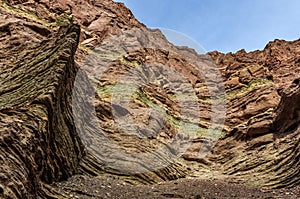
100 187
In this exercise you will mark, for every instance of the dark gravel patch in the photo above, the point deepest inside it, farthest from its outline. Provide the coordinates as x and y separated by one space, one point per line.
100 187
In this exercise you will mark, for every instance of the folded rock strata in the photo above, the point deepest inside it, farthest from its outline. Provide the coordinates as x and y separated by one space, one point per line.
42 56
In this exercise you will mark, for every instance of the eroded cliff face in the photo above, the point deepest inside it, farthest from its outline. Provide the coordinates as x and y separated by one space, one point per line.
264 138
47 135
38 141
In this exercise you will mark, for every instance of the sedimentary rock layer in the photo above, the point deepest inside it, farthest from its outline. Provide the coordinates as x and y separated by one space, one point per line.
60 112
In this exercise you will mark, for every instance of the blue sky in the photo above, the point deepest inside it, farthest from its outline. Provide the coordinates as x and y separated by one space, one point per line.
223 25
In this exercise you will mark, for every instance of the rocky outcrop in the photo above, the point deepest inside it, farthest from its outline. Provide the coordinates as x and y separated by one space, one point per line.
61 114
264 144
38 141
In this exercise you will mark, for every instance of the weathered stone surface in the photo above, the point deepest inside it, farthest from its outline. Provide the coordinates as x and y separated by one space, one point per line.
263 117
38 143
40 140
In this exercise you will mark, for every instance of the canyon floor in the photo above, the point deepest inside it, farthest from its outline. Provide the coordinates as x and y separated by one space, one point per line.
101 187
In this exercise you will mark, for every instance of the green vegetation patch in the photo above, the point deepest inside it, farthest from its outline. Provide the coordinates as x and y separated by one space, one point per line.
22 13
252 85
139 97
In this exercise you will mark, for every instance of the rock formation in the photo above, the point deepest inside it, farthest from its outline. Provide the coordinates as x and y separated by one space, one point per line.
55 123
